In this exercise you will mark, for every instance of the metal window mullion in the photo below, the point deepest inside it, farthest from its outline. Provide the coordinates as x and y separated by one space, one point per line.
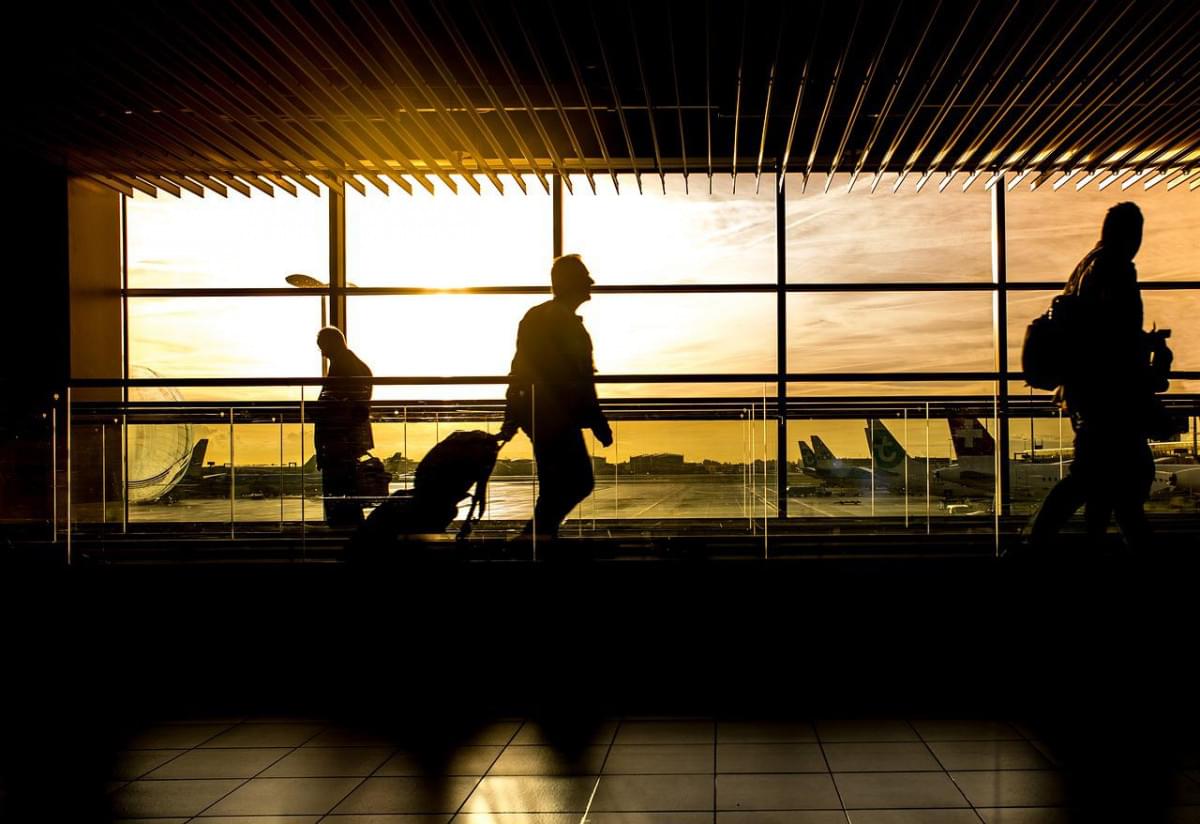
781 363
337 259
556 214
1000 344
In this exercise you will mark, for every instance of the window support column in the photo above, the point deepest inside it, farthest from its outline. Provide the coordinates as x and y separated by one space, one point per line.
1003 499
781 365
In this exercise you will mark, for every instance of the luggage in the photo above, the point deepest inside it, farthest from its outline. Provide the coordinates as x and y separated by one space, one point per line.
1047 354
442 479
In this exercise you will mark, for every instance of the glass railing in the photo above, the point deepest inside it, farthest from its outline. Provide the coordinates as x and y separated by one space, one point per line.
196 460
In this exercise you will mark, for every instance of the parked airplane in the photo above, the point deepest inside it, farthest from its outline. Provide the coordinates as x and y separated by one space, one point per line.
212 481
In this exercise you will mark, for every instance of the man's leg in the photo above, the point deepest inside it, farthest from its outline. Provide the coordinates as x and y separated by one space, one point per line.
1058 507
1132 488
564 479
340 484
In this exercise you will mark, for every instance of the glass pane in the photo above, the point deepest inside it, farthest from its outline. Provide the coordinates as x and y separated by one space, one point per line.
448 240
677 237
889 332
1048 231
207 242
476 334
926 236
1174 310
225 337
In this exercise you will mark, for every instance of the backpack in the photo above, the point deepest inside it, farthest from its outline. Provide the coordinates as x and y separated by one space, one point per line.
1047 354
442 479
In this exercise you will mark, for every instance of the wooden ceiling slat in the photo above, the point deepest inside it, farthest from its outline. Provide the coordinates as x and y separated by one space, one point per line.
637 53
956 91
737 98
185 184
283 183
463 100
339 160
675 86
198 92
300 65
1047 143
923 93
400 58
1014 94
423 153
581 87
485 84
838 71
616 95
893 92
800 88
1193 176
863 88
378 107
766 119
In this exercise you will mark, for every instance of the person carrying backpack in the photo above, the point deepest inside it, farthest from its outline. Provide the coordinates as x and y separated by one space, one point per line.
1108 390
552 396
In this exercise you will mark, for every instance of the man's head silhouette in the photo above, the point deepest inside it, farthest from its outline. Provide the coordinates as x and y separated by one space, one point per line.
1122 231
570 280
330 341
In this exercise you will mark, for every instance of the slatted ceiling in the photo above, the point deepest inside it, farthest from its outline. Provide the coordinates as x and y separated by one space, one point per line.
275 96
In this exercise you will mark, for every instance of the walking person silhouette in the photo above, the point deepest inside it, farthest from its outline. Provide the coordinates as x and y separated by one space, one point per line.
552 396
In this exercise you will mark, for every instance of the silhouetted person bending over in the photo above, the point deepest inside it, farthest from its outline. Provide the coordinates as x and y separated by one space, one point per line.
1109 393
342 428
552 396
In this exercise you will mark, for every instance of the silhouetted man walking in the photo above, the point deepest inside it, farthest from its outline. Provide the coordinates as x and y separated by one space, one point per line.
342 428
1108 394
552 396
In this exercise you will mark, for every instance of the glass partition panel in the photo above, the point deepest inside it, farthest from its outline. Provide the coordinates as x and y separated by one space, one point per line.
210 242
448 240
476 334
890 332
677 237
927 236
224 337
1048 231
1174 309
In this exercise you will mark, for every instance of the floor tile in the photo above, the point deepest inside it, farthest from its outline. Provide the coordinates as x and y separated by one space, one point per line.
392 818
648 793
913 817
864 730
150 820
179 736
600 736
243 762
989 755
781 817
469 760
770 758
130 764
328 762
342 737
1026 815
407 795
531 794
764 732
144 799
505 818
500 732
1185 791
776 792
265 819
969 730
1183 815
643 759
285 796
1049 752
1012 788
897 756
536 760
264 735
899 790
650 818
665 732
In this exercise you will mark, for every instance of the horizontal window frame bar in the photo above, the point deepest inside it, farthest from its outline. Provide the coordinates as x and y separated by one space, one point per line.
469 380
636 289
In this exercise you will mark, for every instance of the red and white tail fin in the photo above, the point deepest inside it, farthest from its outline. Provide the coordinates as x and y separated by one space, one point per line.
971 439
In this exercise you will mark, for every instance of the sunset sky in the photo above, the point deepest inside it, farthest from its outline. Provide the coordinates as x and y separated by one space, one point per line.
631 238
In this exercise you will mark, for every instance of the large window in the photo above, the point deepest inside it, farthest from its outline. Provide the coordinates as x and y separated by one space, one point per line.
884 317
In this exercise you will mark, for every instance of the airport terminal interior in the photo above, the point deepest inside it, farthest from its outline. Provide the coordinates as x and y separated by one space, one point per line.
810 246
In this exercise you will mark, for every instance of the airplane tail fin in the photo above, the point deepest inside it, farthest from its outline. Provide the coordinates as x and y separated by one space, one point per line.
823 452
807 456
970 438
196 463
885 449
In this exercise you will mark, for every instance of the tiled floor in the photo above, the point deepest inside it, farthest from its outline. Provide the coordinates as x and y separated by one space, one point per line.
627 771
